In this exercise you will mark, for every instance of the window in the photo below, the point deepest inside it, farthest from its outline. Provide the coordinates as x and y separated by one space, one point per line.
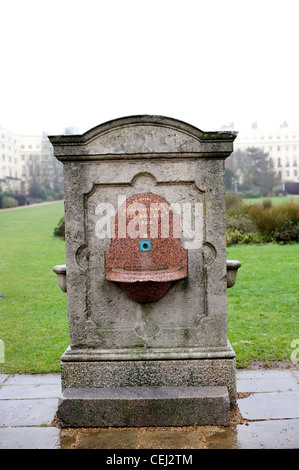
287 161
287 173
278 147
278 162
295 161
295 172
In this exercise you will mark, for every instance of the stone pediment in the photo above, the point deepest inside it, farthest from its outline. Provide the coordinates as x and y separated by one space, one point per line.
142 135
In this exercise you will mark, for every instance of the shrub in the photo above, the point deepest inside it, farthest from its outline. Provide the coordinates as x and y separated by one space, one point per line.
267 203
278 222
59 230
238 237
288 233
239 222
8 202
233 202
21 199
278 190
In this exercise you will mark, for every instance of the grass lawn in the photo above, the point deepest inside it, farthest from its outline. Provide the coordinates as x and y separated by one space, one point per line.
262 306
274 199
263 316
33 318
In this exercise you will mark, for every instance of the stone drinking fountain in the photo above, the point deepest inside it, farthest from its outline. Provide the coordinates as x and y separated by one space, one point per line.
146 275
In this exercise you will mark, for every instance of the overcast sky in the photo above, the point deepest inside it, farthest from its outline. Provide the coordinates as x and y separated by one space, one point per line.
83 62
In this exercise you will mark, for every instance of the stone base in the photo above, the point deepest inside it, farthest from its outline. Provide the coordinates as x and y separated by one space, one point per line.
148 388
144 406
183 369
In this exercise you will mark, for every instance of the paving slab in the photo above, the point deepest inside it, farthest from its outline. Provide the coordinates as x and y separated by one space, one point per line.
107 439
170 439
273 405
29 438
3 377
278 434
267 384
33 379
34 412
28 404
8 392
296 374
262 373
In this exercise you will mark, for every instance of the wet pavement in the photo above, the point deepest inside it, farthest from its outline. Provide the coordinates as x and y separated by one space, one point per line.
267 417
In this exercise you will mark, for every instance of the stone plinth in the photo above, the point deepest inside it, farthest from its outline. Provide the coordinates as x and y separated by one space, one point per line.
144 406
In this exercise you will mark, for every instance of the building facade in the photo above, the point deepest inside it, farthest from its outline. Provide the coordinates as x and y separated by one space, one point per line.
282 145
24 159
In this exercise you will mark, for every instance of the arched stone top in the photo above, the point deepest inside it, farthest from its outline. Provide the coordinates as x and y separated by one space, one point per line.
143 134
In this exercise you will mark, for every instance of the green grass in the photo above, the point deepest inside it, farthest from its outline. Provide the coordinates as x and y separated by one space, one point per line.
33 316
263 312
262 306
274 199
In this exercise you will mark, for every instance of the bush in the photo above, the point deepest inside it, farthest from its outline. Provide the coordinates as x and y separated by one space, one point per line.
288 233
8 202
239 222
233 202
241 230
21 199
59 230
238 237
53 194
278 190
278 222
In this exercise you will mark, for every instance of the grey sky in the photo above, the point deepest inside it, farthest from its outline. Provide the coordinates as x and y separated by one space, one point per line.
80 63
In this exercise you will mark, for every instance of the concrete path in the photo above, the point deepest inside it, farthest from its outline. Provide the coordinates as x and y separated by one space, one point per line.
268 418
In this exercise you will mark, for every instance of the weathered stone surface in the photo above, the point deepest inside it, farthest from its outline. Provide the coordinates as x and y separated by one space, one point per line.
178 163
144 406
151 373
178 336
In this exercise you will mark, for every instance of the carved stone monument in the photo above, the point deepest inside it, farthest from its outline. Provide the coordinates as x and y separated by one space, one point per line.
146 275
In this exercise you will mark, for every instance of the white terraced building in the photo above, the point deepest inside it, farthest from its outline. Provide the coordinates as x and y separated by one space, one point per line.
22 157
282 145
